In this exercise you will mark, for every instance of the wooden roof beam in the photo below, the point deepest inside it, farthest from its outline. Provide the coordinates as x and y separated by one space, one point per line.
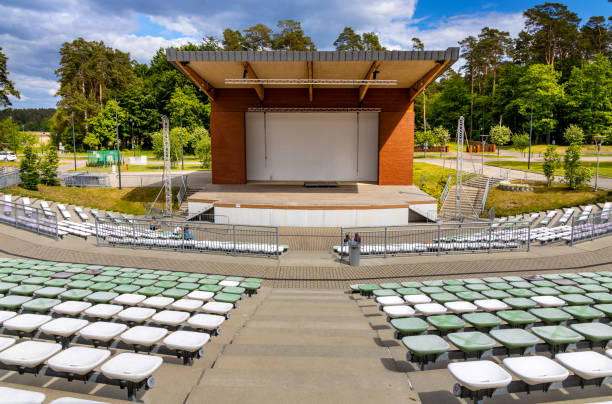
202 84
424 81
364 88
250 73
310 77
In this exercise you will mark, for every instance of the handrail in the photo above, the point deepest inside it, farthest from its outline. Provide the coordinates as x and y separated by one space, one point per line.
445 190
485 194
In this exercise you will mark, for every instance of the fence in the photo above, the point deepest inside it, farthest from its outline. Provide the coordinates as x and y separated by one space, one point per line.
29 218
85 179
187 236
438 238
596 225
102 158
9 176
182 190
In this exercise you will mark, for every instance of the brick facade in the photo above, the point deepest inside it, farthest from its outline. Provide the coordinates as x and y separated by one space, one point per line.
396 127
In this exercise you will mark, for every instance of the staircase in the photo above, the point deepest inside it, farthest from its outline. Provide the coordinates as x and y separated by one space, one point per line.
471 200
480 181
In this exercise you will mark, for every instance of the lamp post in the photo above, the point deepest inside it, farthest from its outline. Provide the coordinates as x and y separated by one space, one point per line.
181 120
598 139
483 141
73 142
118 150
530 130
13 133
133 149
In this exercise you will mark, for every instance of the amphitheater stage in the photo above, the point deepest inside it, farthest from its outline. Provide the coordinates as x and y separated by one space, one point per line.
293 204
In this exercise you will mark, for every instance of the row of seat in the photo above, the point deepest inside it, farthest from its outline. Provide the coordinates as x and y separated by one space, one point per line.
10 395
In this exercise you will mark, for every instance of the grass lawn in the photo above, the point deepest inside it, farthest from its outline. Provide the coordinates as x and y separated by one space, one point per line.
431 178
508 203
605 167
10 163
128 200
541 148
135 168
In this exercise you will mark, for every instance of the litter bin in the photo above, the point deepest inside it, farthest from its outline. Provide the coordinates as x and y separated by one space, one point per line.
354 253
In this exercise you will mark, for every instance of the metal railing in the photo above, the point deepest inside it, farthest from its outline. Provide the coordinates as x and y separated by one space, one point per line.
9 176
29 218
446 189
485 194
189 236
440 238
182 190
597 225
85 179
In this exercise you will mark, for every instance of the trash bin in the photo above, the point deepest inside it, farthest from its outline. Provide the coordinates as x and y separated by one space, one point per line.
354 253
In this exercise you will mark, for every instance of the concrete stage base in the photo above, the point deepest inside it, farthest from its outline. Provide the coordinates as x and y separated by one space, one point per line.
292 204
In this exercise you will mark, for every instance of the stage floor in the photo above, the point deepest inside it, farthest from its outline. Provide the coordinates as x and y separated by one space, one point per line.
293 196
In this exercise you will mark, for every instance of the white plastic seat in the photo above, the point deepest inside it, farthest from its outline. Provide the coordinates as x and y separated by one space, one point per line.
586 364
103 310
136 314
5 315
17 396
399 311
78 360
158 302
6 342
189 341
63 327
26 322
143 335
201 295
187 304
417 299
29 354
548 301
129 299
170 317
430 309
390 300
131 367
479 375
71 307
73 400
461 307
102 331
206 321
217 308
491 304
536 369
229 283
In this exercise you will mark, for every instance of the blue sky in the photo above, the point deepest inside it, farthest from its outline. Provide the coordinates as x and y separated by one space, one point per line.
32 31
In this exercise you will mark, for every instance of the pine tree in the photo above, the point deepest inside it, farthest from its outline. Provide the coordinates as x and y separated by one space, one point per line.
48 168
28 169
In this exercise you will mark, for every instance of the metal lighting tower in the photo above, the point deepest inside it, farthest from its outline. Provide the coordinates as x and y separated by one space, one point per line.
598 139
459 167
73 142
530 128
133 149
167 179
181 118
118 150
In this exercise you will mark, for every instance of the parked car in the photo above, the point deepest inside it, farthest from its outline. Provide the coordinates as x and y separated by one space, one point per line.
7 155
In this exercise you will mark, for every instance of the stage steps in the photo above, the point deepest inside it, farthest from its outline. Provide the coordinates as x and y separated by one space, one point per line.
471 200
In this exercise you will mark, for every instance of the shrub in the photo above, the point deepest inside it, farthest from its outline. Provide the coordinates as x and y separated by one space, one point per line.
552 161
28 169
576 175
499 135
573 135
520 141
48 168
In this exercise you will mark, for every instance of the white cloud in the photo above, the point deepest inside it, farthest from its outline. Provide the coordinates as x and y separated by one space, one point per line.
142 48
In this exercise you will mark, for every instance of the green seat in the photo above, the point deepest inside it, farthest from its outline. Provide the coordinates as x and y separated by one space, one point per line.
75 270
81 277
583 313
600 297
495 294
57 282
233 289
182 273
513 279
35 280
132 275
102 297
473 341
258 280
125 289
443 297
594 332
169 278
27 290
165 284
79 284
522 285
411 284
513 338
607 285
221 277
6 271
520 303
543 284
49 292
408 291
250 285
206 281
384 292
144 282
210 288
478 287
453 282
26 272
594 288
93 266
145 271
603 279
162 272
102 286
493 279
113 273
123 281
586 281
588 274
148 276
455 288
425 345
188 286
500 286
13 278
391 285
175 293
429 290
473 281
188 279
552 277
576 299
365 288
409 326
6 286
570 275
226 297
150 291
102 278
446 322
546 291
569 289
557 335
202 276
521 292
434 282
40 305
550 315
482 320
13 302
470 296
44 274
605 273
75 294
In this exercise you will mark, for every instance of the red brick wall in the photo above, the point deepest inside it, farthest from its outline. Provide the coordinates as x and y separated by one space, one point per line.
396 127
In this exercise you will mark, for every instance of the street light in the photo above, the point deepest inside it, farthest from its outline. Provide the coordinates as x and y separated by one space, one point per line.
598 139
73 142
118 150
484 140
13 133
133 150
530 130
181 119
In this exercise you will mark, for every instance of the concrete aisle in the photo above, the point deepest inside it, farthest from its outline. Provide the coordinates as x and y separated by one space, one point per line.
304 346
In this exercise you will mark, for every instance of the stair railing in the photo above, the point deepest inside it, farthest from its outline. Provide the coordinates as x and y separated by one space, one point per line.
445 190
485 194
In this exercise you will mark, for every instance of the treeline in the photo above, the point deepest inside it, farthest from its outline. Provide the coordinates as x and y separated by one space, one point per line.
32 119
